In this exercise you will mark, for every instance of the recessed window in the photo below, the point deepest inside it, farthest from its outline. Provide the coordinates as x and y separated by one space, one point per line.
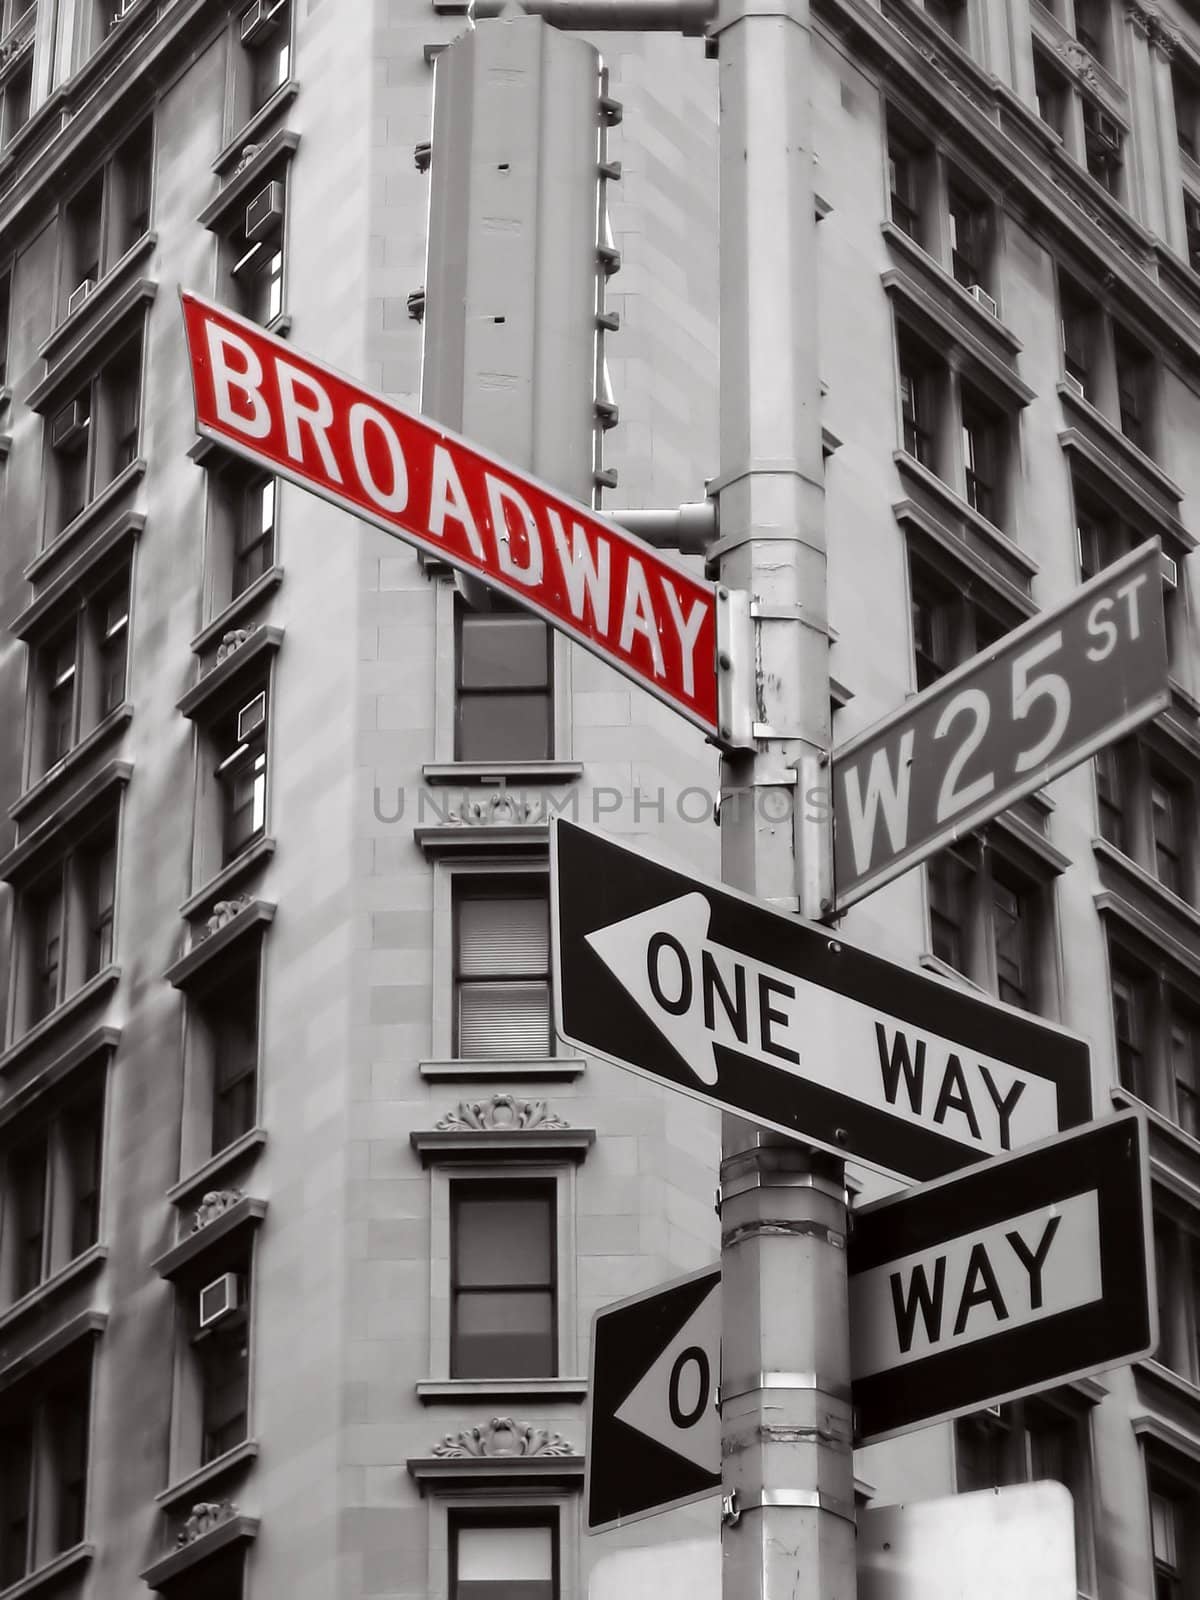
502 1280
1052 91
1146 806
1191 220
5 318
504 1556
1173 1512
1102 144
908 179
1080 337
1135 389
230 1013
240 743
1092 27
12 11
80 671
950 16
984 444
95 435
502 970
16 100
65 925
1156 1031
43 1472
265 32
220 1346
970 238
50 1195
254 532
993 923
253 252
922 394
106 217
503 698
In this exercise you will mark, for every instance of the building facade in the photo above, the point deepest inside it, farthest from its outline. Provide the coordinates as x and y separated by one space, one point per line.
303 1211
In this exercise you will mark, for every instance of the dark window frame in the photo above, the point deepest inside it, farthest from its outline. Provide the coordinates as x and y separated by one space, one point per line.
476 1191
493 887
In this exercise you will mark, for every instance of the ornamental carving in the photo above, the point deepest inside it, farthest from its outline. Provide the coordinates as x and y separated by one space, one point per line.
213 1205
223 913
206 1515
234 640
496 810
1079 58
1144 17
501 1111
502 1437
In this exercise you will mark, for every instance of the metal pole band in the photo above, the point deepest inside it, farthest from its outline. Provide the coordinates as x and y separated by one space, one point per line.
765 1227
812 1499
784 1380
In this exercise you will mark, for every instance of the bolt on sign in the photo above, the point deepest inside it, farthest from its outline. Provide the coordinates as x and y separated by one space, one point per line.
1048 695
706 989
632 606
1030 1270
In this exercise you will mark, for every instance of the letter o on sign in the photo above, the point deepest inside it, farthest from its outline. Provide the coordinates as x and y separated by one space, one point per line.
677 1004
692 1356
395 498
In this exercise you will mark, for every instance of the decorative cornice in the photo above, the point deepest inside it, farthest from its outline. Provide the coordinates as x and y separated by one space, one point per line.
502 1437
499 1111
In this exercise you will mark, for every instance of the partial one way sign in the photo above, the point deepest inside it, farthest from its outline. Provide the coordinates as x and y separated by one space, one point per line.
654 1431
1048 695
634 607
1032 1270
785 1023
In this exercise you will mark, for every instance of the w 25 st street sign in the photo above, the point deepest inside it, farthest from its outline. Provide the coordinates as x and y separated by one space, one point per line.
1043 699
639 611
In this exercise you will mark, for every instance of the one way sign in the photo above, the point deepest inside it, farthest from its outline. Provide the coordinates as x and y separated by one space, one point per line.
789 1024
1023 1272
654 1431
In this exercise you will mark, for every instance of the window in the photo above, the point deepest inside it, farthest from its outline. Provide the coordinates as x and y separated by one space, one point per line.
1092 27
5 316
51 1194
1053 91
948 627
43 1471
502 969
503 699
951 17
11 12
970 227
922 390
906 184
1135 389
228 1016
254 536
106 217
243 530
265 30
1031 1441
1105 535
1174 1547
502 1280
984 437
66 925
1156 1030
1146 805
253 252
1102 141
220 1353
95 435
1186 86
993 922
503 1556
240 740
80 669
16 99
1080 337
1177 1275
1191 219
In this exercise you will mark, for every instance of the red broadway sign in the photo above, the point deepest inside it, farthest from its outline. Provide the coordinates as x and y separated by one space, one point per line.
642 613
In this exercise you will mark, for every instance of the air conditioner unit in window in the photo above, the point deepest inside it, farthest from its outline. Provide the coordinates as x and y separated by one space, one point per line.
264 214
1170 572
1100 127
260 19
251 716
79 294
1073 383
69 430
981 297
218 1299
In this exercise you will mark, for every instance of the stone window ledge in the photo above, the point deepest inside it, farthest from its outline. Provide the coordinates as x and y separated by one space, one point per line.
219 212
489 840
58 832
39 1298
932 531
496 772
248 133
193 1186
48 1577
56 1022
93 513
253 918
87 1325
237 1530
75 760
106 292
212 688
183 1491
93 1051
251 596
446 1475
437 1145
232 873
494 1068
37 617
74 365
989 535
186 1258
458 1391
